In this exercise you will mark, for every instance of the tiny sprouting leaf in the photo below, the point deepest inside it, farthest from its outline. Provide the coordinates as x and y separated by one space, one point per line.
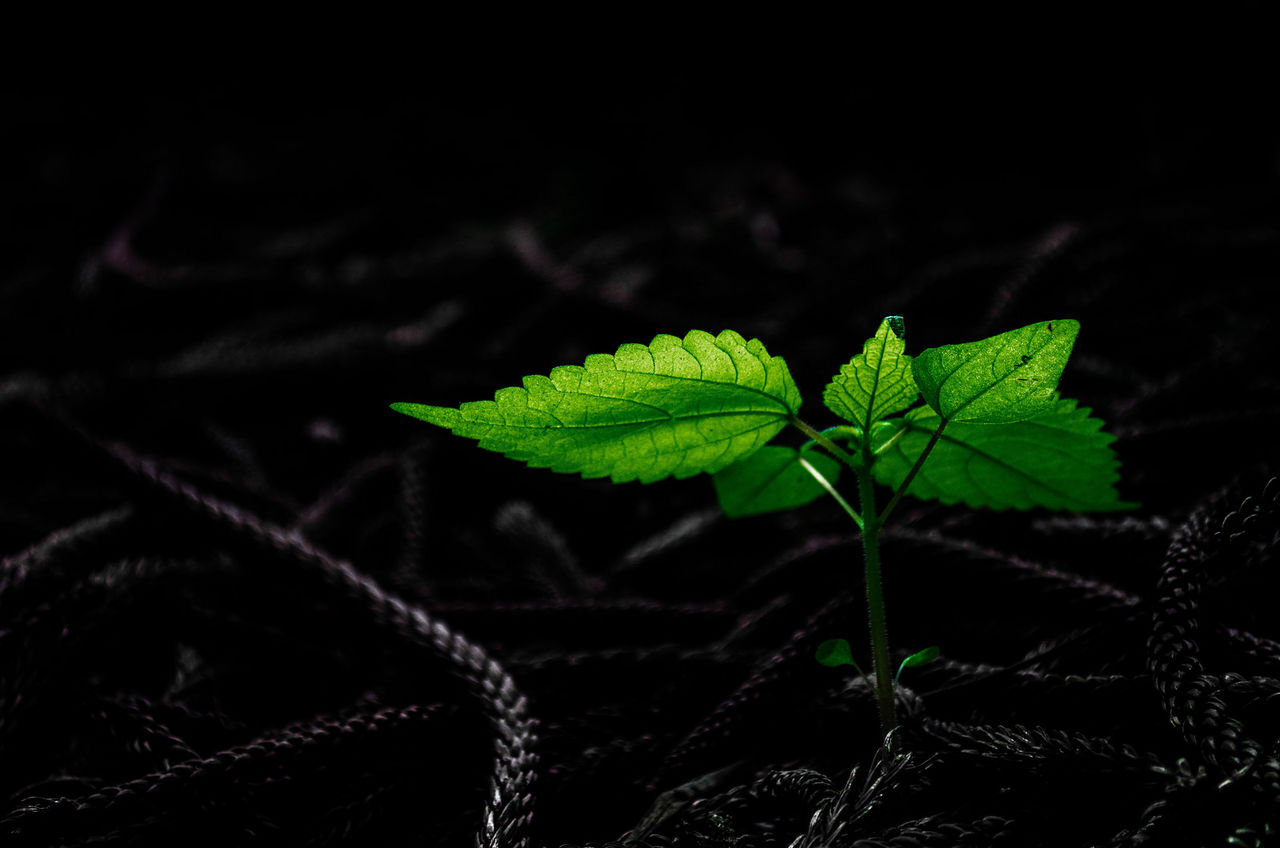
674 407
924 657
772 479
876 382
835 652
844 433
1060 459
1009 377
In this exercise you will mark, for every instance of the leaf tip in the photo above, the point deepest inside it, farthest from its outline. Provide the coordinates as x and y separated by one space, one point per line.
919 658
441 416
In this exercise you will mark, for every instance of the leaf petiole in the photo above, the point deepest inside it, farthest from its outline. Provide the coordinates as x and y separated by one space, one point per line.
840 431
893 440
915 469
822 481
828 445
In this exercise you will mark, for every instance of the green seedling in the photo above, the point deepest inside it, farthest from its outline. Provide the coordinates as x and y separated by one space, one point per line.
924 657
834 653
993 428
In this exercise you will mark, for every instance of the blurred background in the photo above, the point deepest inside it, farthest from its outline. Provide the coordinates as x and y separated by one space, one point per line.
234 281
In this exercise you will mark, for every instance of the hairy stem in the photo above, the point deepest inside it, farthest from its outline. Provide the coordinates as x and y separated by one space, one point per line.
911 475
875 601
830 446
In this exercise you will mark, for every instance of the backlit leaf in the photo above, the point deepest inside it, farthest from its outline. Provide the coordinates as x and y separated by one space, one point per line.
1009 377
876 382
674 407
924 657
772 479
1060 459
835 652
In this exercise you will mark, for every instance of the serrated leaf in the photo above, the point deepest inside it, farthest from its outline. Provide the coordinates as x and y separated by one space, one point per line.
1060 459
835 652
772 479
1009 377
674 407
876 382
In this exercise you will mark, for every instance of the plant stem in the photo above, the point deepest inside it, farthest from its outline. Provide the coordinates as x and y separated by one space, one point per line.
893 440
830 446
870 524
875 600
826 484
911 475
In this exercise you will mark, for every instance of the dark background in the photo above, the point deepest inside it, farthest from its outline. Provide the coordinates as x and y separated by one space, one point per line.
235 280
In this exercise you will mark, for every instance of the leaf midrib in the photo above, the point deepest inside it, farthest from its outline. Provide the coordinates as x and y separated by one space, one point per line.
702 380
978 452
988 388
773 478
562 426
786 409
875 383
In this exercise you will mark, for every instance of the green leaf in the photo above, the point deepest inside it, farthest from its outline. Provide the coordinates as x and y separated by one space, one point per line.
844 433
672 408
1009 377
1059 459
772 479
876 382
924 657
835 652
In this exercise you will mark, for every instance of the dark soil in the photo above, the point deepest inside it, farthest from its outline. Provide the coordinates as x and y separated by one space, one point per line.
243 603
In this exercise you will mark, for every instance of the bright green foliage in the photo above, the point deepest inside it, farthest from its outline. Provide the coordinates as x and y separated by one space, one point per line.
1006 378
924 657
1060 459
844 433
993 433
772 479
835 652
672 408
876 382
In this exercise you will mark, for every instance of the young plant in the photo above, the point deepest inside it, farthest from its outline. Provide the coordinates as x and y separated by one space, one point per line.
993 428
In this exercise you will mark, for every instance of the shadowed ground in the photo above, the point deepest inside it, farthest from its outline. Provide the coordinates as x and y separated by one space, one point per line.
242 602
